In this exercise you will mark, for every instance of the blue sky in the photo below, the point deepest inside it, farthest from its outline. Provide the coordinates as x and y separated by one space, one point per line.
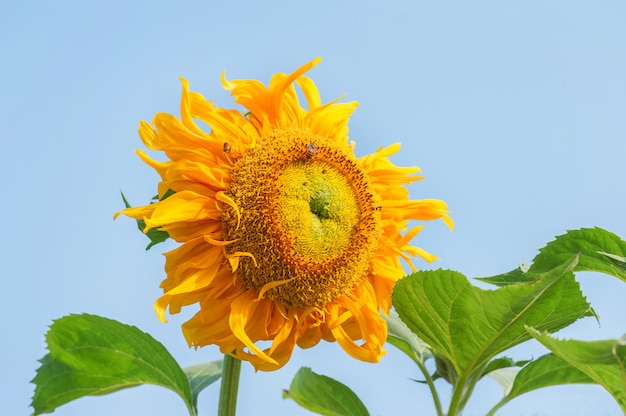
514 110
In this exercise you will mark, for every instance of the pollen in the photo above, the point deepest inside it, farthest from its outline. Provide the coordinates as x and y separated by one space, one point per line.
307 219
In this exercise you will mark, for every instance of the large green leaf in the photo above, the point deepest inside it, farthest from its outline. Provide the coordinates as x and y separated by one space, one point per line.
468 326
323 395
91 355
602 361
548 370
599 251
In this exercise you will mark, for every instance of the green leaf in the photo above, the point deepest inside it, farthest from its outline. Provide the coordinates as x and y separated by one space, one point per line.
548 370
503 362
446 369
519 275
505 377
600 251
401 337
201 376
156 235
602 361
323 395
469 326
91 355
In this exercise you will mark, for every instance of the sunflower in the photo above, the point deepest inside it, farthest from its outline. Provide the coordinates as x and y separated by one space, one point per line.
286 236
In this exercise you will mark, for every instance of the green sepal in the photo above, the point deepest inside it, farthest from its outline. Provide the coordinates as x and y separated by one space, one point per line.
156 235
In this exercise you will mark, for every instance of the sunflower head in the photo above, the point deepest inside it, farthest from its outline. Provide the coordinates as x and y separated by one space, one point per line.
285 235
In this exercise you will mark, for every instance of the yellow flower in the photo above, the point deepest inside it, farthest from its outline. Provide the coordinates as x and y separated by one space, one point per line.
286 235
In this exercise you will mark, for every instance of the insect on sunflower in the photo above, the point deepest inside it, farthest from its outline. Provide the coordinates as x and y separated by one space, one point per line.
285 235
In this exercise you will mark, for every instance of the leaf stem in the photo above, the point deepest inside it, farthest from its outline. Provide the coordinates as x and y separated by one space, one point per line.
463 389
230 385
497 407
456 406
469 388
431 386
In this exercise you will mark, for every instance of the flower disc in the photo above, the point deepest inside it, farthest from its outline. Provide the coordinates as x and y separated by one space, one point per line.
308 219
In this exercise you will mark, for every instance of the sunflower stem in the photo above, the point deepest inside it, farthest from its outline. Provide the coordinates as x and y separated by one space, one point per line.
230 385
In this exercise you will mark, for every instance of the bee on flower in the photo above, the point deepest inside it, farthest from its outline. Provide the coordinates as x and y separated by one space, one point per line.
311 150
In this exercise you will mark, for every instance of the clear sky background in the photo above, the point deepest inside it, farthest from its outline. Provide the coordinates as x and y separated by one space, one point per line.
514 110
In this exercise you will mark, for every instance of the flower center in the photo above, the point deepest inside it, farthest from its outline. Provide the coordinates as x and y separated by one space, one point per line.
307 225
318 207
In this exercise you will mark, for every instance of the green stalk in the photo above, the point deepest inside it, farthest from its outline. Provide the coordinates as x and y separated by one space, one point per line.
431 386
469 389
230 385
455 408
497 407
463 389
